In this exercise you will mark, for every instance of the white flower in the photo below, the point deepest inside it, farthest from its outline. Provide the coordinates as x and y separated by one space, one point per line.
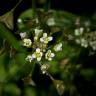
70 37
38 31
29 58
51 22
94 47
87 23
49 55
84 43
19 20
38 54
78 41
37 21
27 42
45 39
79 31
23 34
44 68
93 44
58 47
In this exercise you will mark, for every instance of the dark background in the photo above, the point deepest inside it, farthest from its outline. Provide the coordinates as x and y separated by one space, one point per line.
81 7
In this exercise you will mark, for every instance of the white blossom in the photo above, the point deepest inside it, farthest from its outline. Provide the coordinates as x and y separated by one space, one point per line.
78 41
37 21
29 58
58 47
45 39
51 22
23 35
38 54
27 42
84 43
38 31
19 20
70 37
87 23
49 55
79 31
93 45
44 68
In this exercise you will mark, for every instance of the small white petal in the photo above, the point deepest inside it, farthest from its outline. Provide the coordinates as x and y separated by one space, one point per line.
27 42
50 38
33 56
43 72
76 32
51 22
52 54
37 21
38 31
60 44
35 38
23 34
19 20
41 39
29 58
94 47
81 29
49 55
49 59
44 35
85 45
38 50
41 54
78 41
58 47
39 58
70 37
83 40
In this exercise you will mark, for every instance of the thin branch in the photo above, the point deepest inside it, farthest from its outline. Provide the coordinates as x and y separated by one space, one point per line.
16 5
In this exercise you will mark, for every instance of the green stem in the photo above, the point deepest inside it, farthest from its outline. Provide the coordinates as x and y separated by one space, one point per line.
34 8
47 5
2 50
33 67
16 5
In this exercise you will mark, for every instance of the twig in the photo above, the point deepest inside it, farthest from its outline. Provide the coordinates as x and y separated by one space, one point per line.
16 5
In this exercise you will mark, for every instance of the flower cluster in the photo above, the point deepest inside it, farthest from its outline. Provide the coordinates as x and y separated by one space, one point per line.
85 39
39 46
45 39
79 31
27 42
44 68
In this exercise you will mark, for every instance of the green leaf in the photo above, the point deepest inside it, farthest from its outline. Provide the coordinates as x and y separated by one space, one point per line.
12 90
87 73
10 38
30 92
